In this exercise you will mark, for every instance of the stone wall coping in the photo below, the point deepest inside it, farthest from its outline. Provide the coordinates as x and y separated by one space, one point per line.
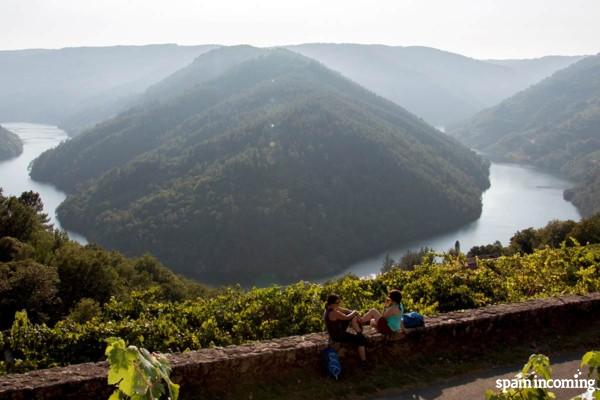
78 374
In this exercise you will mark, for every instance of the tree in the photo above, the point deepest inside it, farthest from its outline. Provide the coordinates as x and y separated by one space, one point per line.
13 249
490 250
85 310
588 230
412 258
33 200
87 272
556 232
27 285
16 219
524 241
388 263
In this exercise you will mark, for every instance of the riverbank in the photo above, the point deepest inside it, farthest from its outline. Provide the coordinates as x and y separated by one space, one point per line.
581 175
10 144
14 173
519 197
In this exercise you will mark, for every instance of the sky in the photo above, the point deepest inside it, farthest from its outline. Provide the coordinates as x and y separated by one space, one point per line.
476 28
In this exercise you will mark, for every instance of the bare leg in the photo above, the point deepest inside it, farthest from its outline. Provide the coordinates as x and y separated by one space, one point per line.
362 353
356 324
371 314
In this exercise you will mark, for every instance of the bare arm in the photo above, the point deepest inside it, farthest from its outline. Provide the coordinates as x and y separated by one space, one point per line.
336 315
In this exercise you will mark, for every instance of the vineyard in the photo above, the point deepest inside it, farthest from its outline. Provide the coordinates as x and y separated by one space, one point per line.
233 315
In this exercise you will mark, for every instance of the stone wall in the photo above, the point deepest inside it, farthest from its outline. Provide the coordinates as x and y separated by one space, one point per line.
209 372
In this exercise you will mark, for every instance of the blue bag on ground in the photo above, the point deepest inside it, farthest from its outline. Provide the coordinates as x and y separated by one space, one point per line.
332 362
413 320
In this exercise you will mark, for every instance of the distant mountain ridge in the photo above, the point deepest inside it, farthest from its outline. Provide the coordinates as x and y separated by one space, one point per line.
439 86
212 66
76 87
10 144
276 169
535 69
554 125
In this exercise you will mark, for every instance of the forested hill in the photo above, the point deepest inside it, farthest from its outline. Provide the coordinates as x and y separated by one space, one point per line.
54 278
439 86
76 87
277 169
10 144
554 125
210 66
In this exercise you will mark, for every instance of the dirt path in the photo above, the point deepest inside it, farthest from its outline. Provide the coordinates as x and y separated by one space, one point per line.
473 385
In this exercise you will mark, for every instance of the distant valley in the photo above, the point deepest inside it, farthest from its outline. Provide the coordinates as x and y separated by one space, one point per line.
77 87
441 87
275 169
554 125
257 165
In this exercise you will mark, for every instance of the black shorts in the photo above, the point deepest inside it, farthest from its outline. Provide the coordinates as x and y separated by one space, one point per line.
356 339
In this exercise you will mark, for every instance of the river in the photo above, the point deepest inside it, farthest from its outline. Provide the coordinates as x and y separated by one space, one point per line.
519 197
14 173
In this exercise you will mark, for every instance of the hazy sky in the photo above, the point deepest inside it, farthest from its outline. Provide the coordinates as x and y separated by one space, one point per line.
477 28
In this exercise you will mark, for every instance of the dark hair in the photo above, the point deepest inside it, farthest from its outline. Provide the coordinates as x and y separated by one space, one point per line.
396 296
332 299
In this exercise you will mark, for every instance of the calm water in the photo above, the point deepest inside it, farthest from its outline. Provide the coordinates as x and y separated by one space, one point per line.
14 173
519 197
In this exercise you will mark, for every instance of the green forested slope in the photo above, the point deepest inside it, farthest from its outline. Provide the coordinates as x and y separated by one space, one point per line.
10 144
51 277
276 170
146 126
554 125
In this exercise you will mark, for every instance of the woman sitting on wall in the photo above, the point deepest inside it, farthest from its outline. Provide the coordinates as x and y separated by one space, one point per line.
390 321
337 321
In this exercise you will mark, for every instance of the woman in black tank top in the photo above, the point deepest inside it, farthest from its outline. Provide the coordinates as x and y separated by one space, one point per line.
337 321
